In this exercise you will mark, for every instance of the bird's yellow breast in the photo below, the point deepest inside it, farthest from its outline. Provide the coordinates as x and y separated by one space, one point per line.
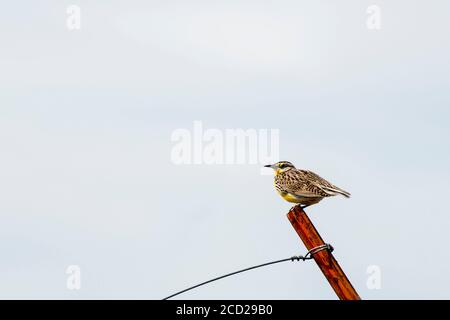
289 197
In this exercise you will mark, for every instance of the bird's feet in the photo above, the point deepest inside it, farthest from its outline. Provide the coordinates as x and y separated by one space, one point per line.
301 206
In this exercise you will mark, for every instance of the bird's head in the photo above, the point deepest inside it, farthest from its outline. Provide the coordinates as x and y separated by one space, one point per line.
281 166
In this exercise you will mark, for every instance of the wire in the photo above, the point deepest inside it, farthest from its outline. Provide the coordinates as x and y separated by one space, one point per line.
229 274
307 256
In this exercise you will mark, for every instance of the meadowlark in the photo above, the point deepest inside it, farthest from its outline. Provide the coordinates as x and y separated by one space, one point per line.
302 186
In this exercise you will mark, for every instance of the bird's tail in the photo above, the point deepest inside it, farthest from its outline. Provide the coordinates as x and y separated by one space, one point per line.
335 190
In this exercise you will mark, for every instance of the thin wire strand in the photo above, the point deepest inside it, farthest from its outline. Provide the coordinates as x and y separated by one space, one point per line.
308 256
229 274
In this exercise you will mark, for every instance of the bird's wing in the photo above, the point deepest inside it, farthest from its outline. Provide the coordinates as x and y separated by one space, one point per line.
301 184
327 187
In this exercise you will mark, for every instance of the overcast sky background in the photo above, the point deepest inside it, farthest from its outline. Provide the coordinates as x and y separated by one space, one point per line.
86 118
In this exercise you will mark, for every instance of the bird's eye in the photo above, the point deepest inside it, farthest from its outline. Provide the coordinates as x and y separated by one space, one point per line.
281 166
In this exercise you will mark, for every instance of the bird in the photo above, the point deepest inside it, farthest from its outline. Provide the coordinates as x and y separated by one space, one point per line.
303 187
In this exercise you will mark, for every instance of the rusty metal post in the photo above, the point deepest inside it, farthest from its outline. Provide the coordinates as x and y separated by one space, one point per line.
324 259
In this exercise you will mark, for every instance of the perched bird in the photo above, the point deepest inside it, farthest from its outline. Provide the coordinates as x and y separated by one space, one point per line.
302 186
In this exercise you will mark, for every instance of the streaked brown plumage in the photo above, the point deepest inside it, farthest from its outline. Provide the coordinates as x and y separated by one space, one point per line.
302 186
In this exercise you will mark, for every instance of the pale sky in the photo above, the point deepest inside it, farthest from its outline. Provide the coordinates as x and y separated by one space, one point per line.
86 118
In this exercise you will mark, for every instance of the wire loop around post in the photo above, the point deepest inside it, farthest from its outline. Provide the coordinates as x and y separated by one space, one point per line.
310 253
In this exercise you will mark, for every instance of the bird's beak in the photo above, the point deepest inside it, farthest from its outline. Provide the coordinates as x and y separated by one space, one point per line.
268 166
